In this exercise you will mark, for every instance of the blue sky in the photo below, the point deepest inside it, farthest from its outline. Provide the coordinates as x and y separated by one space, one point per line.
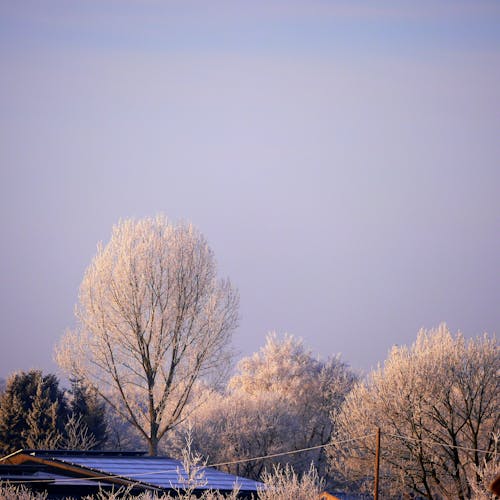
341 158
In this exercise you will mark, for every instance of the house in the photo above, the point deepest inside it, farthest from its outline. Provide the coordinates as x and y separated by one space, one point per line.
80 473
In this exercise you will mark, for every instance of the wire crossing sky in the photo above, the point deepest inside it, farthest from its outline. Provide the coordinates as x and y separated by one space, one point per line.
342 160
273 455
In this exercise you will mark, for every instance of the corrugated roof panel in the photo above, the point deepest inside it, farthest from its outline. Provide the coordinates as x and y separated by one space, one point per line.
74 481
161 472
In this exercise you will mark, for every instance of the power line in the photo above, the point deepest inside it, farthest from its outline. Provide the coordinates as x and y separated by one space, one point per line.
152 473
433 441
245 460
274 455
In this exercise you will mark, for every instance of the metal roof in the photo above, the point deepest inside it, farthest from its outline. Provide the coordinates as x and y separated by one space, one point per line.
158 472
38 474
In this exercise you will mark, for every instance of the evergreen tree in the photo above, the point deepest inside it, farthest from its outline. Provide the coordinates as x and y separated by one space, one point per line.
33 410
88 409
12 422
42 421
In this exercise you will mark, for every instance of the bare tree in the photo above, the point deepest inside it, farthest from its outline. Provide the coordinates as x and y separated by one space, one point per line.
279 400
77 435
486 473
19 492
283 484
300 391
230 428
191 475
437 406
153 319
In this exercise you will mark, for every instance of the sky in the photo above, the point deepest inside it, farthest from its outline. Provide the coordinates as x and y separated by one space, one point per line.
341 158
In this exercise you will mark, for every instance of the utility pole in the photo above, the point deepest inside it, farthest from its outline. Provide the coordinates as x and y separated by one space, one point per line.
377 463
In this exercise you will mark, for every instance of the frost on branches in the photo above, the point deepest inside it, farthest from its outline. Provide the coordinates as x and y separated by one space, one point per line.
279 400
152 320
437 406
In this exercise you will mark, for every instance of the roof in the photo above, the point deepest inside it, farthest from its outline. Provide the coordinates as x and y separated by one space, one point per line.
39 475
131 468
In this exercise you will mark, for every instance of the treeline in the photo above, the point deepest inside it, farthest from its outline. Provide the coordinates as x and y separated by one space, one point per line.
279 399
436 403
153 343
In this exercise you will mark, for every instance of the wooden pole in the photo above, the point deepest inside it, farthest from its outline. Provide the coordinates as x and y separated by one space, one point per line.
377 464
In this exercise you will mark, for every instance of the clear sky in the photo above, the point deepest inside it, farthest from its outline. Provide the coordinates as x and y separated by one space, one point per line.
342 159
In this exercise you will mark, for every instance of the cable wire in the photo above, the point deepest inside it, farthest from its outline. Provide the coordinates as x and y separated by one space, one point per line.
433 441
152 473
273 455
243 460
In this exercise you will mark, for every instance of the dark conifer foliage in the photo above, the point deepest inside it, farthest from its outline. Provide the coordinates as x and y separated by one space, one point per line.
36 413
33 411
85 404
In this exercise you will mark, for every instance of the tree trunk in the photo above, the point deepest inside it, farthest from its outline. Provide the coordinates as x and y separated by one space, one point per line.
153 446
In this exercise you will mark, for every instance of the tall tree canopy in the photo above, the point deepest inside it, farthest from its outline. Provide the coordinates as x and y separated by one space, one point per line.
153 319
437 406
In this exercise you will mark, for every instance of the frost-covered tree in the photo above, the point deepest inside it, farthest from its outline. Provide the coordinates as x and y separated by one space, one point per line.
486 474
283 483
279 400
437 404
286 368
153 319
77 435
19 492
230 428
